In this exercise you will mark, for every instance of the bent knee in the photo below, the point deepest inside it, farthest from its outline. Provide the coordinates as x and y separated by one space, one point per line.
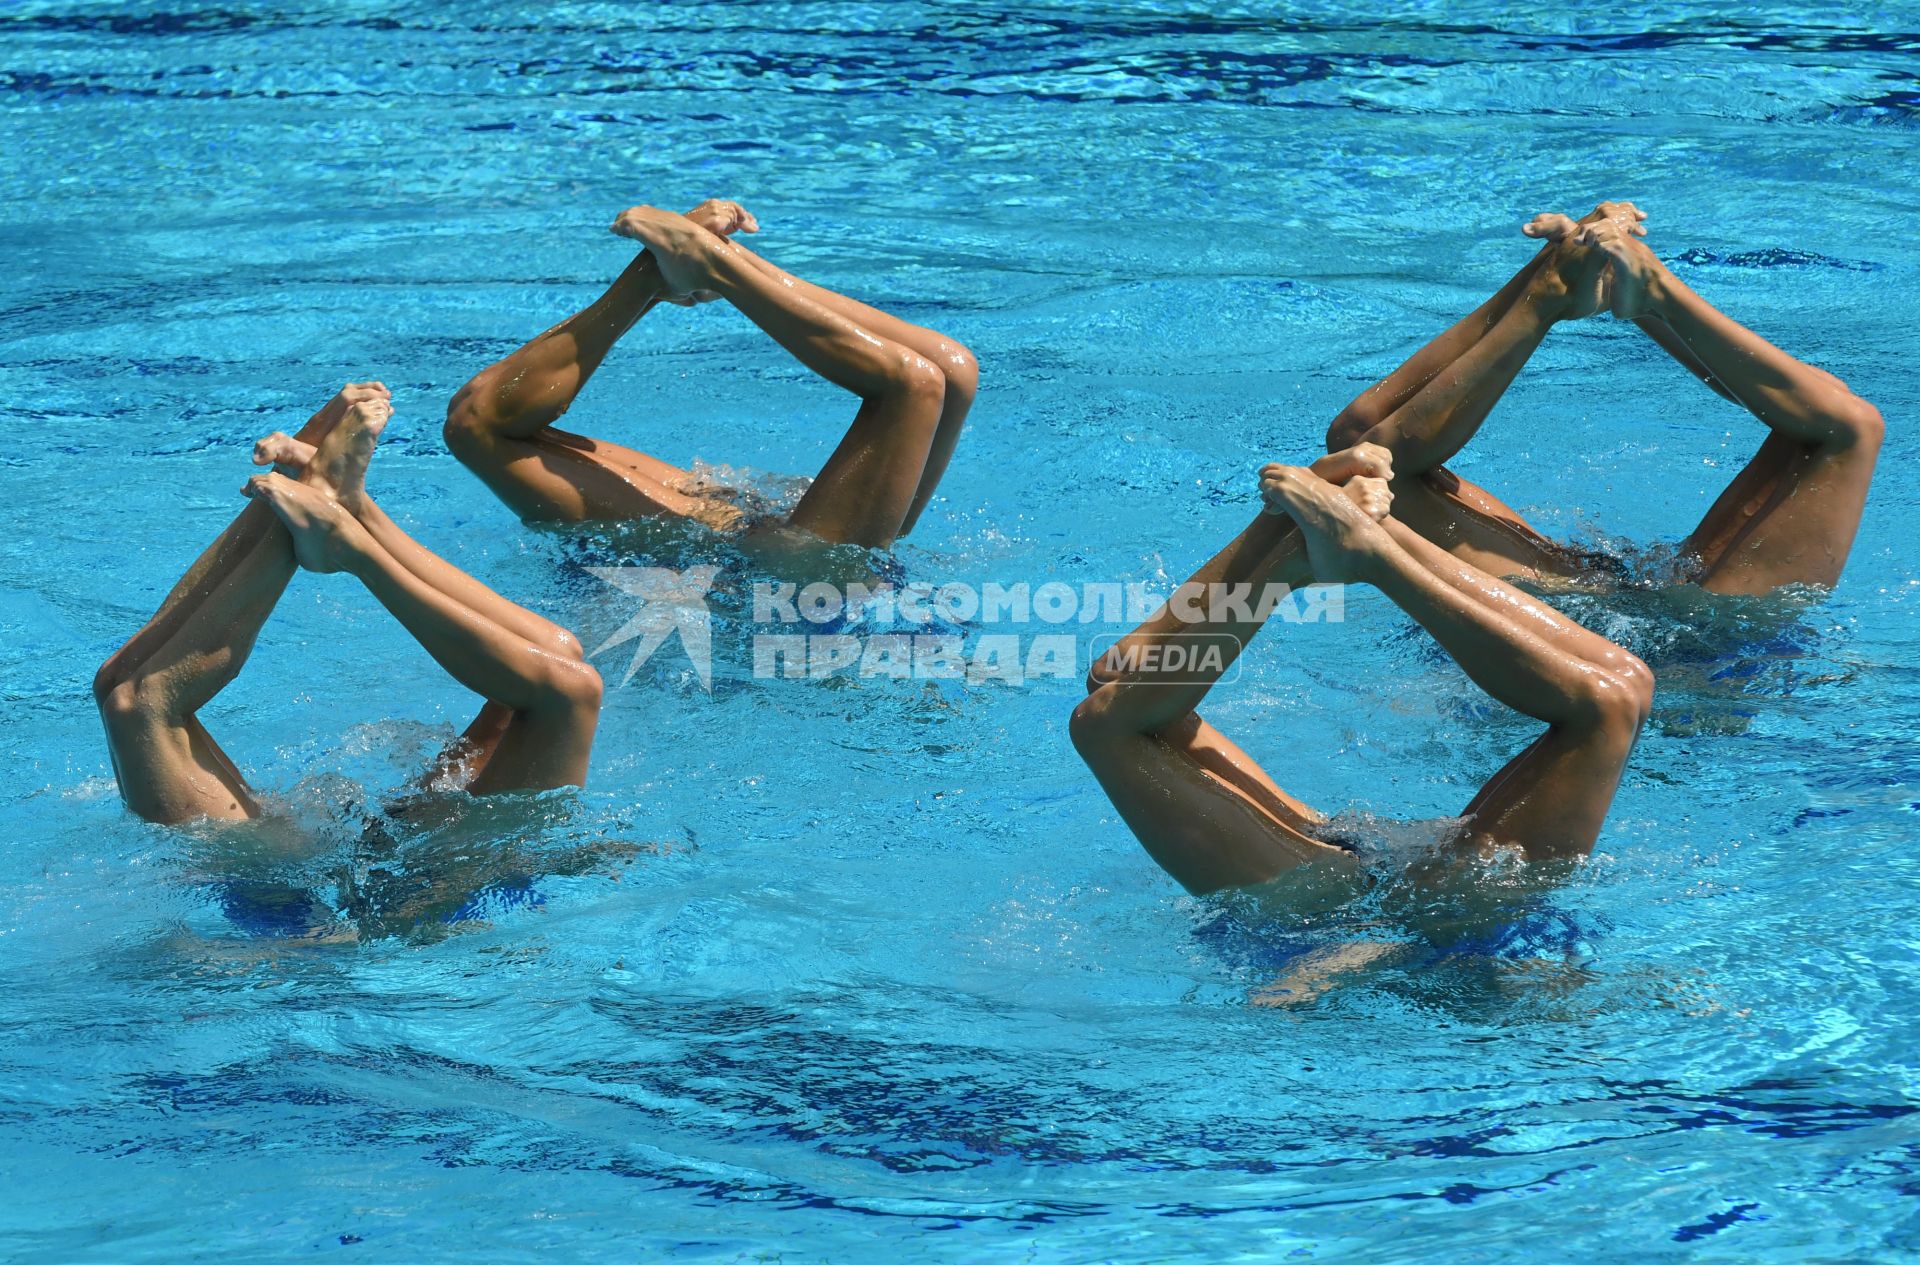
464 432
1346 430
107 680
577 686
1091 723
116 698
961 369
1848 420
1637 679
1102 673
566 645
914 377
132 702
1620 698
1861 422
472 419
556 640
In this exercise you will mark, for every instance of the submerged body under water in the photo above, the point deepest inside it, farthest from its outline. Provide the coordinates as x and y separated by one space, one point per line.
865 968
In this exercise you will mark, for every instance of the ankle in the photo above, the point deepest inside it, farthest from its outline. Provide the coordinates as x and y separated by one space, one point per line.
1663 292
359 552
1546 301
635 291
1380 558
722 264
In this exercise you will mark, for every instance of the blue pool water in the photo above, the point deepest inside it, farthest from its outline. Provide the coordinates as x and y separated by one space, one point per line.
868 971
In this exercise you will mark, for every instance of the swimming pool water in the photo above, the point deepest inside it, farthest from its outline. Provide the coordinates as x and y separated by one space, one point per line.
870 971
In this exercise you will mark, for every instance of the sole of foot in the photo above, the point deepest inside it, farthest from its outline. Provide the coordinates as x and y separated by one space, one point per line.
1343 543
338 466
677 244
326 537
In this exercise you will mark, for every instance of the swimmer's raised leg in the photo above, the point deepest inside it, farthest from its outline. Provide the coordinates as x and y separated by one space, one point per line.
1791 515
1203 808
500 424
1200 806
168 766
868 487
339 468
233 544
1213 819
1551 800
1429 408
554 699
954 360
1436 420
1530 614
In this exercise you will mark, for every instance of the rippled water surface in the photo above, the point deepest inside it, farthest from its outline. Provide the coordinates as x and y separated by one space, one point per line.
869 971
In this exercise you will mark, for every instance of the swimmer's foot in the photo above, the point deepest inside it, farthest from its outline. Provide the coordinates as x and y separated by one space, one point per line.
1345 543
724 218
1631 217
1373 497
1573 284
1372 461
1552 227
338 466
681 249
1363 472
290 454
333 410
284 453
1581 276
1633 270
325 536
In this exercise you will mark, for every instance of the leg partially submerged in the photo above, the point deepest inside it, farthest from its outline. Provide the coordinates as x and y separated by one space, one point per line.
535 731
954 360
339 469
885 469
1791 515
543 701
1431 406
1551 800
554 700
1213 819
500 424
1201 806
916 387
168 766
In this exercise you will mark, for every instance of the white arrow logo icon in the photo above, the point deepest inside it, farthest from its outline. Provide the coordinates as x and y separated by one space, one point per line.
674 601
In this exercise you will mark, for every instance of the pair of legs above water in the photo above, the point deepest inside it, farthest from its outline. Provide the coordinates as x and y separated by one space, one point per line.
914 385
542 700
1789 517
1214 819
